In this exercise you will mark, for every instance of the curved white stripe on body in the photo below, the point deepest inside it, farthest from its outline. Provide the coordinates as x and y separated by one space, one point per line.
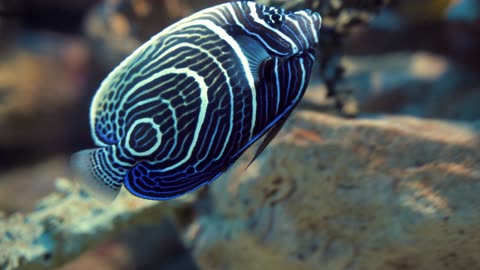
104 86
258 20
230 90
158 134
234 16
213 59
110 166
312 27
122 67
298 30
302 66
193 19
175 124
243 60
277 82
203 106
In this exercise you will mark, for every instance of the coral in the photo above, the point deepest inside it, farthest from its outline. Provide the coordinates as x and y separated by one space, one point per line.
68 222
383 193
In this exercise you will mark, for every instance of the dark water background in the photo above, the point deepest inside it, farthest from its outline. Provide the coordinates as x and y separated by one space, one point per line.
419 58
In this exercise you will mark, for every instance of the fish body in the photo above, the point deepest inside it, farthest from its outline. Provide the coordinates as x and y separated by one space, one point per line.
178 112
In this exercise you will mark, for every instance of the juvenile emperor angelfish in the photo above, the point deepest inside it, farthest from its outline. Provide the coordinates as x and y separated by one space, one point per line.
178 112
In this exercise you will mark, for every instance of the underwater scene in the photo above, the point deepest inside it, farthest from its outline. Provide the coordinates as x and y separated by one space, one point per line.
238 135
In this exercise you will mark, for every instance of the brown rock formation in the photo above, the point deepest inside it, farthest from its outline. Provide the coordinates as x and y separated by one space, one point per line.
387 193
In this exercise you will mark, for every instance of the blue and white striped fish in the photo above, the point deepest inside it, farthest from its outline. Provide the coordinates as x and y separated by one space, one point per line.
176 113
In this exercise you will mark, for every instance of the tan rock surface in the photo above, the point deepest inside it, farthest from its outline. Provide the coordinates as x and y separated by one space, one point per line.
328 193
68 222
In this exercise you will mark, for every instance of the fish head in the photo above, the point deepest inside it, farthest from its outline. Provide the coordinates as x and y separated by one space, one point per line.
284 33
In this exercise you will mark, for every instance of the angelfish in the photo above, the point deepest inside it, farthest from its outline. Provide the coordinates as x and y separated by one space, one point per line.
177 113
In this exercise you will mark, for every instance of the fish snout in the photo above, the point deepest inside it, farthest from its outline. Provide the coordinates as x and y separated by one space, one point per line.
317 20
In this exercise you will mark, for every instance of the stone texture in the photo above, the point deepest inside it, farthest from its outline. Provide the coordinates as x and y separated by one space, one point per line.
381 193
68 222
33 182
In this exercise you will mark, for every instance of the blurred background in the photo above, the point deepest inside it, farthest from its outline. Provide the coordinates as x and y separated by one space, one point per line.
420 58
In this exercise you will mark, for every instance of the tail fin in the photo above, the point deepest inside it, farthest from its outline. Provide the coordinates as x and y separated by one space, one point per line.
89 169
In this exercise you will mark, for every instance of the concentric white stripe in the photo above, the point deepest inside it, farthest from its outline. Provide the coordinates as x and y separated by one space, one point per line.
243 60
105 85
218 64
111 165
158 134
203 106
207 20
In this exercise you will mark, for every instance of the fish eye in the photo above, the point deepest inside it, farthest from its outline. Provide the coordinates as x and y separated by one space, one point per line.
274 17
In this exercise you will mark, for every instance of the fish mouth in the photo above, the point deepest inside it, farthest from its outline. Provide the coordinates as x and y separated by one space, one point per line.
317 25
313 23
317 20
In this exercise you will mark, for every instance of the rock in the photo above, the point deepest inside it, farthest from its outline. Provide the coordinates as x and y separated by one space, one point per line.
31 182
328 193
146 246
68 222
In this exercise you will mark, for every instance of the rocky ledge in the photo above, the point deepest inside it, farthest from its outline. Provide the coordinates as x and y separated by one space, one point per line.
372 193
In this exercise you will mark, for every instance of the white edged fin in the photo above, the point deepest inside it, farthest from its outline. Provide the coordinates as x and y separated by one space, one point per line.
254 52
86 172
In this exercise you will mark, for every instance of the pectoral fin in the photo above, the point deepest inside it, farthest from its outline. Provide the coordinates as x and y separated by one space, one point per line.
254 52
268 137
